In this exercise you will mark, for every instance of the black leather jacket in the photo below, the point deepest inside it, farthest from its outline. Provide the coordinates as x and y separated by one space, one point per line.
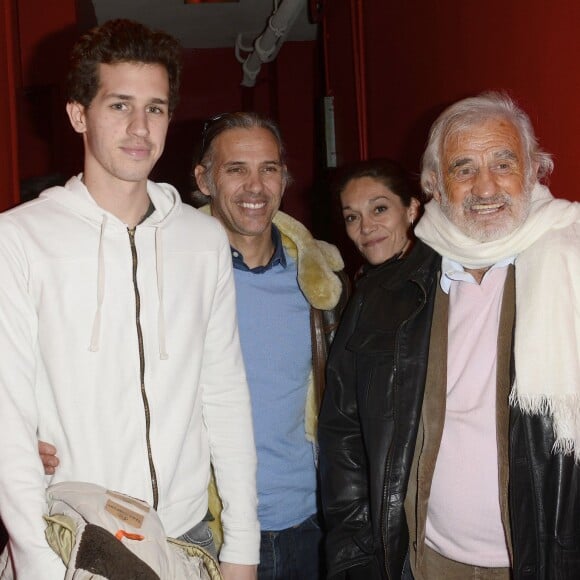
369 417
368 427
323 327
544 502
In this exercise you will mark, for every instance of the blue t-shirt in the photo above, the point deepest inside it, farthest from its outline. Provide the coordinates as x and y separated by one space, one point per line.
274 324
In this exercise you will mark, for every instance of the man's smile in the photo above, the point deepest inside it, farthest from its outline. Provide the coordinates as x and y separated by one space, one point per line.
485 208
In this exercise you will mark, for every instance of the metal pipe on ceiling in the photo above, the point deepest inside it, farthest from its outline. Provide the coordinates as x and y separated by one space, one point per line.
267 45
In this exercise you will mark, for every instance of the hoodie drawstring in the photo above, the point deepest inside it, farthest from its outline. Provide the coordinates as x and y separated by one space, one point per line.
95 335
160 313
94 345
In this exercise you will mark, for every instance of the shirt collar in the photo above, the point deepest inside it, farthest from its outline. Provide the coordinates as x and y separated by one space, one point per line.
452 271
148 213
278 257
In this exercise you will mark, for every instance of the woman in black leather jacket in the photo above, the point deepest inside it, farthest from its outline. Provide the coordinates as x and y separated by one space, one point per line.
375 377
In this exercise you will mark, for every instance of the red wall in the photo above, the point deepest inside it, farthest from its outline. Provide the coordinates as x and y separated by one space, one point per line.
340 72
418 57
296 89
46 144
211 85
421 56
8 129
284 92
35 134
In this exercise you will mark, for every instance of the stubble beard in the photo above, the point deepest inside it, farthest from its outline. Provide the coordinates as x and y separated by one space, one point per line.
513 215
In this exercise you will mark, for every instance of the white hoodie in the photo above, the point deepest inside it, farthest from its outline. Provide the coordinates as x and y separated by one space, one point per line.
72 363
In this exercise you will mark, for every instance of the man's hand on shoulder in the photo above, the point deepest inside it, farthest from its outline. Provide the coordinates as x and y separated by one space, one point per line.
238 571
48 457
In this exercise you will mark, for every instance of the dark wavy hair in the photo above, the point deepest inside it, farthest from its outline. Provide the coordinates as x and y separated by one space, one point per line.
118 41
385 171
237 120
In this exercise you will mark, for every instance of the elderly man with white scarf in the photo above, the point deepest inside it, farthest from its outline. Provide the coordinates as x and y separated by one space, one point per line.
494 484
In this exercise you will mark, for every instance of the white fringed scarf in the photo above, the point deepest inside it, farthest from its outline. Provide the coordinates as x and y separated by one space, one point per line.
547 330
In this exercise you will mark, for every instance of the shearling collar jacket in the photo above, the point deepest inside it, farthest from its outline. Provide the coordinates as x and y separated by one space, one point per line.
326 287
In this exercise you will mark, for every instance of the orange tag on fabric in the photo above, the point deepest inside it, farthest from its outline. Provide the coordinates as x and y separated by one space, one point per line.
123 534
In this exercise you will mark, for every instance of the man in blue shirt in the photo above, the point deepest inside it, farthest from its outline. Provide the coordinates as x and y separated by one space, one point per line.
290 291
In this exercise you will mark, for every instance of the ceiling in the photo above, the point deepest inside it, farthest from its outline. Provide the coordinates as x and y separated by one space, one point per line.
210 25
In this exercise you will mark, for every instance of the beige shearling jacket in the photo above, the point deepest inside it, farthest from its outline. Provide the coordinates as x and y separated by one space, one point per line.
326 287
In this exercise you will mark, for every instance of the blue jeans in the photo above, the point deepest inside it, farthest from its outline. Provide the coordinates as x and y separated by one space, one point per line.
293 553
201 535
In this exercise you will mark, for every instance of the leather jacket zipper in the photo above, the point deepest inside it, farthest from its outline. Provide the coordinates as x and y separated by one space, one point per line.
146 408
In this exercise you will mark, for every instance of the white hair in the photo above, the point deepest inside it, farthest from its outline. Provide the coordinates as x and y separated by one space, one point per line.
473 111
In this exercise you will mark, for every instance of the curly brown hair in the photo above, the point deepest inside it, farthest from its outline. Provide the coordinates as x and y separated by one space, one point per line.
119 41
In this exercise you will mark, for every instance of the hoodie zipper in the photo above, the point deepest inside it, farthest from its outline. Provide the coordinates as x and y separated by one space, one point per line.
154 485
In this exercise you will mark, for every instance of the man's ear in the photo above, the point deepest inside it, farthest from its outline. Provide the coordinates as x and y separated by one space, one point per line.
77 117
414 209
433 182
200 179
286 179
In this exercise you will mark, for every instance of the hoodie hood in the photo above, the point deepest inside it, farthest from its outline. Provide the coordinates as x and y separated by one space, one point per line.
76 198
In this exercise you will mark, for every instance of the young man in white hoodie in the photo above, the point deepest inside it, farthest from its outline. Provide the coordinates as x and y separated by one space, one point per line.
118 326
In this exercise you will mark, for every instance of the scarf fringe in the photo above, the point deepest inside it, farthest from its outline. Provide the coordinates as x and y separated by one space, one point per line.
565 413
547 327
